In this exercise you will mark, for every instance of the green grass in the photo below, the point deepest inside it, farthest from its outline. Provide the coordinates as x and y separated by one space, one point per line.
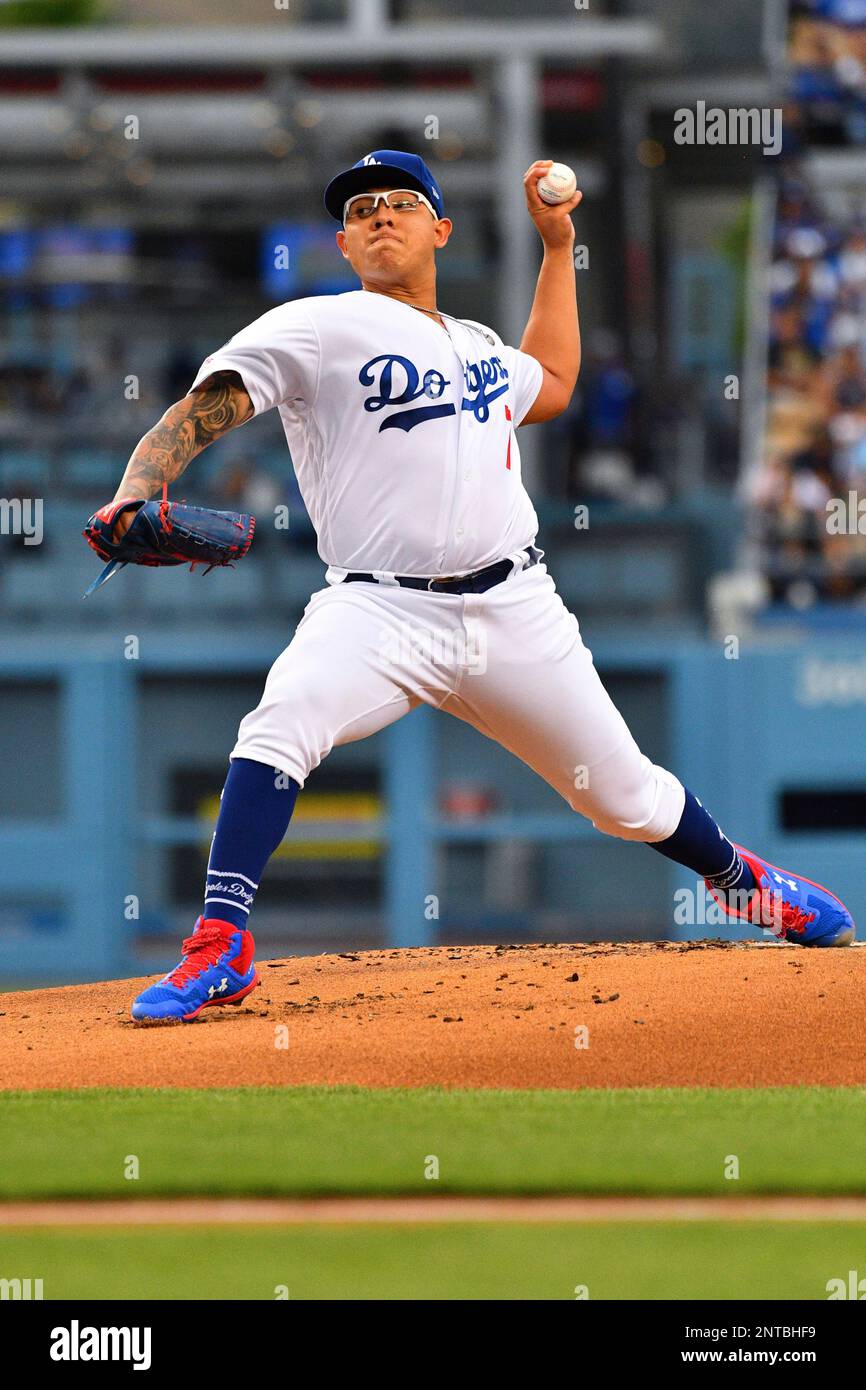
280 1141
704 1260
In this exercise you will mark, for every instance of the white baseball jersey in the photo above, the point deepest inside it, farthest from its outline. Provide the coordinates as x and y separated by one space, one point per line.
402 437
402 434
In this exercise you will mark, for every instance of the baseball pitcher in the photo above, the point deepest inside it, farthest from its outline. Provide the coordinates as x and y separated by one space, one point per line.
402 422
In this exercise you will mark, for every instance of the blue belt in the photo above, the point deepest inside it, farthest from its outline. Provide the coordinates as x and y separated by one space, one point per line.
478 582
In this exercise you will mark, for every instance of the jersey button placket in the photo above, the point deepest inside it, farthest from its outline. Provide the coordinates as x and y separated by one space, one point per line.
460 474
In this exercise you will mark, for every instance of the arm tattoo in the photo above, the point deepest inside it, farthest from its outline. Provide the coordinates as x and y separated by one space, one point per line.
214 408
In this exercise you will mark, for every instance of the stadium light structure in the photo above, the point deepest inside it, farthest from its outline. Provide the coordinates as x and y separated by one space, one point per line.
584 39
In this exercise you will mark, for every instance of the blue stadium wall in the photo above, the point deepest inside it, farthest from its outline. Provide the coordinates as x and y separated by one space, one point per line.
100 746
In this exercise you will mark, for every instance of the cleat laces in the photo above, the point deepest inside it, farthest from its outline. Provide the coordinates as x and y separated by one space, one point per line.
781 916
200 951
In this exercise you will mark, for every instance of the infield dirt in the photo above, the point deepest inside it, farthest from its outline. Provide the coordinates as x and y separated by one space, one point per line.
649 1014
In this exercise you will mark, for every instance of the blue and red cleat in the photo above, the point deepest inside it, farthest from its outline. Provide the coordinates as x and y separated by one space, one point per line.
217 968
795 909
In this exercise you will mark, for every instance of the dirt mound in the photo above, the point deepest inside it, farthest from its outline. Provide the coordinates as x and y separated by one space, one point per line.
654 1014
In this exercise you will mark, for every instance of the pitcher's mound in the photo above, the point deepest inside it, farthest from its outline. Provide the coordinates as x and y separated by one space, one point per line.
701 1013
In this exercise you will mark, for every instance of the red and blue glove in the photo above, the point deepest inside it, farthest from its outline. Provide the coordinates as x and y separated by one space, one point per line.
167 533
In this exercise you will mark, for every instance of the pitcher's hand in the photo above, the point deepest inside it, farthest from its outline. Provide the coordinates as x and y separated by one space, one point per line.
553 220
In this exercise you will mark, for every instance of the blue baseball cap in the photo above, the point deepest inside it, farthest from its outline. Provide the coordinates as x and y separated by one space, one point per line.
387 169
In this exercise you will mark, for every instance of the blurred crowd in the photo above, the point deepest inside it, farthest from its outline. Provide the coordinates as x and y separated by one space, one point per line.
816 424
815 455
827 53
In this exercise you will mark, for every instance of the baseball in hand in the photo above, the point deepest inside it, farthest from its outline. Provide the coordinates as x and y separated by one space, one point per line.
558 185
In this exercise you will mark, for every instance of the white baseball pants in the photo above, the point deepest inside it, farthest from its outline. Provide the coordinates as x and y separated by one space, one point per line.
511 662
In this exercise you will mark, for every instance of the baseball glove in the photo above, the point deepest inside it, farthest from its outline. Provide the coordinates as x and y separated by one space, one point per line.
167 533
